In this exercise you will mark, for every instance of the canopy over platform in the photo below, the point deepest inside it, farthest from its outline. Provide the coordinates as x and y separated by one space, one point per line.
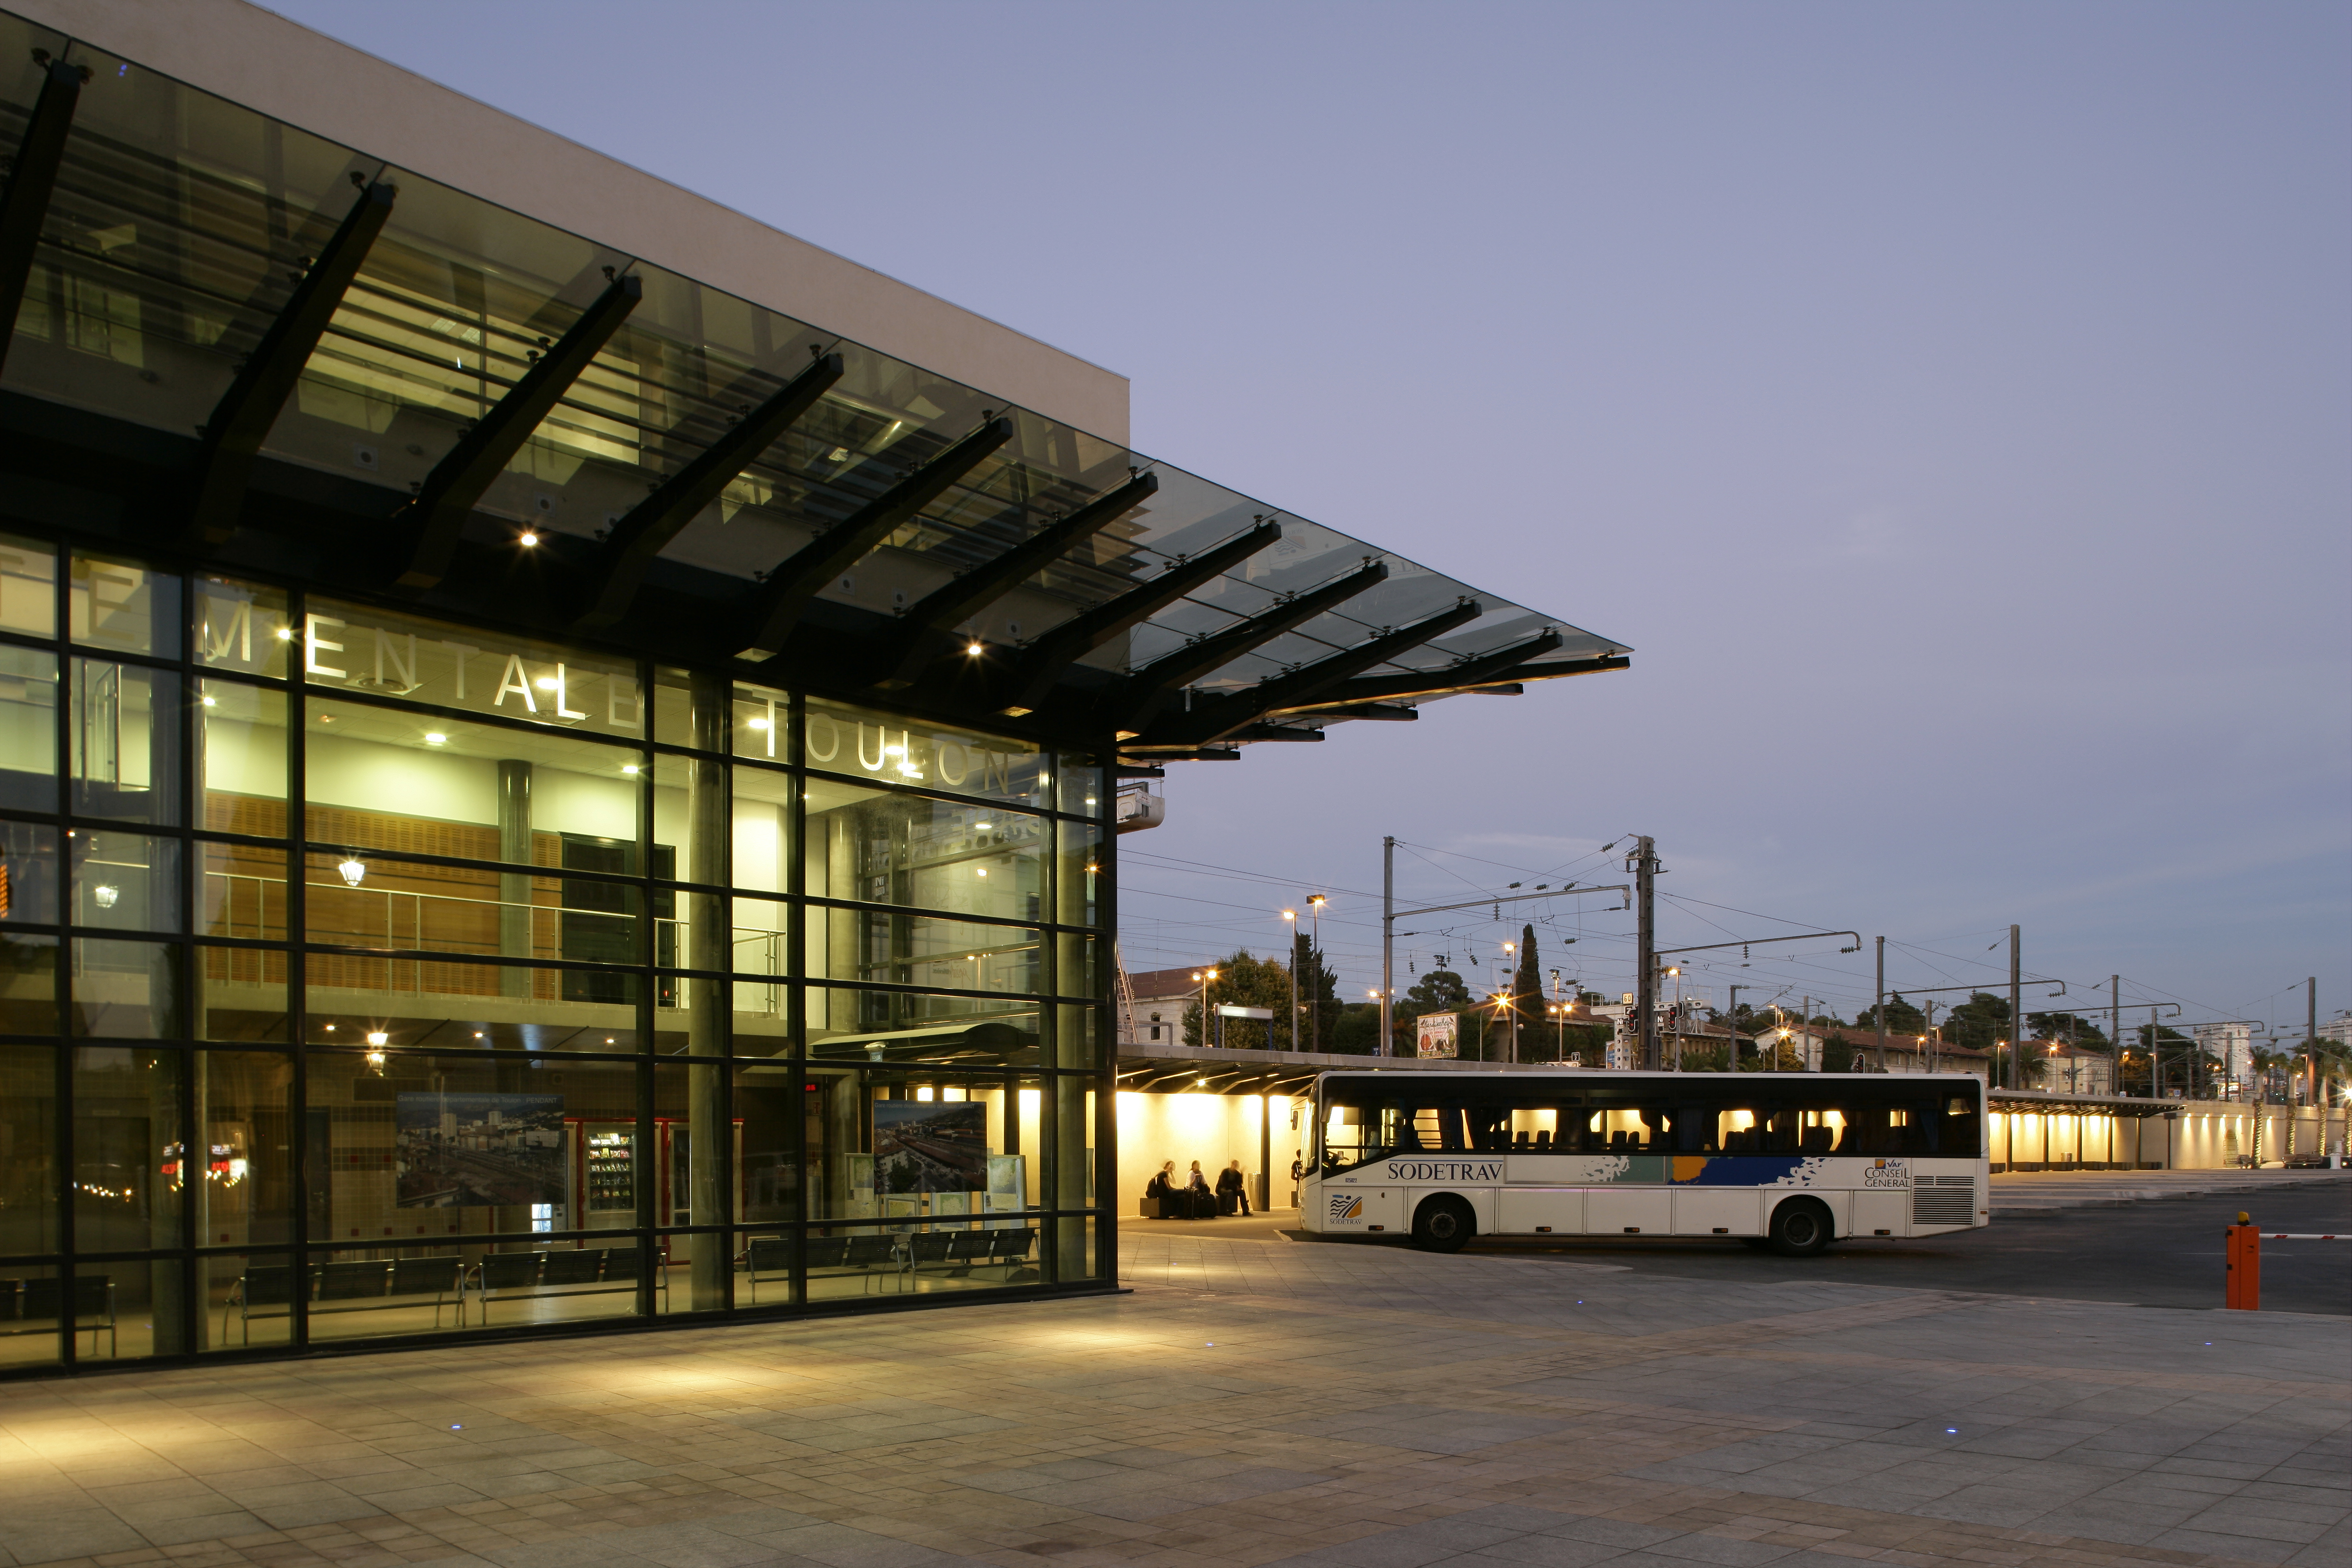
253 347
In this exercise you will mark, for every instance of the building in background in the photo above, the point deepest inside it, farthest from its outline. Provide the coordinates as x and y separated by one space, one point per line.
2232 1047
557 744
2070 1069
1161 995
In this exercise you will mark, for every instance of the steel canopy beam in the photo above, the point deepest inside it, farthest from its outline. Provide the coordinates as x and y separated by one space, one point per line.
1043 662
241 420
1249 706
1256 733
32 180
1137 701
654 522
776 607
458 481
1488 671
1387 712
932 616
1202 754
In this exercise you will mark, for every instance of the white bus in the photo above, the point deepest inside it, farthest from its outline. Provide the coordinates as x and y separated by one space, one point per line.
1792 1160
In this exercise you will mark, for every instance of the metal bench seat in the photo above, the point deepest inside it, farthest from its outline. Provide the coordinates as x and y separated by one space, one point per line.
560 1271
30 1307
267 1291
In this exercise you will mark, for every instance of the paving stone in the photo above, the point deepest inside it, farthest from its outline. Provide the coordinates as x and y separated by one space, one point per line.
1365 1407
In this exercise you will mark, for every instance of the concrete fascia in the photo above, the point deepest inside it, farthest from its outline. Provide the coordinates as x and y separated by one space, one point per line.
254 57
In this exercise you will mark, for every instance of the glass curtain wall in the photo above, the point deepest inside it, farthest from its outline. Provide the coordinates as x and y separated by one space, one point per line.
363 976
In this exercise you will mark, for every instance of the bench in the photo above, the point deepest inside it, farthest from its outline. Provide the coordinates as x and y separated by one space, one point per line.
30 1307
267 1291
961 1252
772 1256
570 1271
377 1286
769 1258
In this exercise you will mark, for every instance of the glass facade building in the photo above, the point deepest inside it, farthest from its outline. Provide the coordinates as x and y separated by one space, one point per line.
365 975
538 792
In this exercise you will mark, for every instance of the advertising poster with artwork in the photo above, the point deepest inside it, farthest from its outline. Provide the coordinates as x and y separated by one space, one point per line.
469 1151
930 1146
1440 1033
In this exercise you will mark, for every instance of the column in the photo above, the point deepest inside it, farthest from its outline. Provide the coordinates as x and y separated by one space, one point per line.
707 947
514 887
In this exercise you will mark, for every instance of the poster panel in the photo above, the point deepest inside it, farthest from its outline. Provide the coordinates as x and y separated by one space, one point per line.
1440 1034
930 1146
462 1150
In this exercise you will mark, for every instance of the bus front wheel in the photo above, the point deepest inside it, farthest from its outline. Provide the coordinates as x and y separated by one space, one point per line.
1800 1228
1443 1225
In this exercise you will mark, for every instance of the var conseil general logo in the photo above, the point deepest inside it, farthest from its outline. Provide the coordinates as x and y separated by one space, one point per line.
1346 1205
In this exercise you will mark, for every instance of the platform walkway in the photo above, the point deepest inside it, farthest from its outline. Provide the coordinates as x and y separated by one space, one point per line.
1253 1403
2020 1194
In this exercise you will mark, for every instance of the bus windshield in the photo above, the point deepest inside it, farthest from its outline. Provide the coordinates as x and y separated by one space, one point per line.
1375 1118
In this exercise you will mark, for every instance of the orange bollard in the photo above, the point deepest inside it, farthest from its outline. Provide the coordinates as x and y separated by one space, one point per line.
2243 1286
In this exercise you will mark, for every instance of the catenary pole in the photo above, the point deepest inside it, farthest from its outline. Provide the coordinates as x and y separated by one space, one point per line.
2016 1018
2115 1032
1388 945
1878 1006
2311 1050
1645 945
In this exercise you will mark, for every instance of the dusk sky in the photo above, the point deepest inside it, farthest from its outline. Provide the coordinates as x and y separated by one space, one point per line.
1948 405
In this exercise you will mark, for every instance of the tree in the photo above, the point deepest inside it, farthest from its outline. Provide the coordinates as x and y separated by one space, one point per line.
1358 1032
2184 1064
1902 1018
2066 1027
1527 997
1980 1022
1318 994
1244 982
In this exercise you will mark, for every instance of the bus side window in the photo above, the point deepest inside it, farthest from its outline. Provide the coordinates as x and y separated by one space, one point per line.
1736 1130
1961 1132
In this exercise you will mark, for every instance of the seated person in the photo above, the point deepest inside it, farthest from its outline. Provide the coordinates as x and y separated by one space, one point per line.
1233 1190
1163 1190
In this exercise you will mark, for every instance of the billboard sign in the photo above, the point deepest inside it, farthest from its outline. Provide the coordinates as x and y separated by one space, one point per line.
1440 1034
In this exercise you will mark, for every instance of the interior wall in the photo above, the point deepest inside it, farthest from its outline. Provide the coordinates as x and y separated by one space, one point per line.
1214 1128
366 776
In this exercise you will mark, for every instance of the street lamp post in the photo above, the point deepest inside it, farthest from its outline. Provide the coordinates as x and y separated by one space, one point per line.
1315 902
1205 976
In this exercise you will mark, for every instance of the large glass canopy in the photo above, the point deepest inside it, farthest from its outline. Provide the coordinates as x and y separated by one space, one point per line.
181 223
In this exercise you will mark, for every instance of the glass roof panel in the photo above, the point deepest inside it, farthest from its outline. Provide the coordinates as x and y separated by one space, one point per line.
182 221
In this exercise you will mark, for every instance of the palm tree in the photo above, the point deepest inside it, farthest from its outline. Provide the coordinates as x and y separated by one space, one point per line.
2265 1064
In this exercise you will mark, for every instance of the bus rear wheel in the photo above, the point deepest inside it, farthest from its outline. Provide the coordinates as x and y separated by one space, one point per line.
1800 1228
1443 1225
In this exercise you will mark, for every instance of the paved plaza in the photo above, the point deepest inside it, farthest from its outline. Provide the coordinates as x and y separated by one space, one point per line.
1256 1400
